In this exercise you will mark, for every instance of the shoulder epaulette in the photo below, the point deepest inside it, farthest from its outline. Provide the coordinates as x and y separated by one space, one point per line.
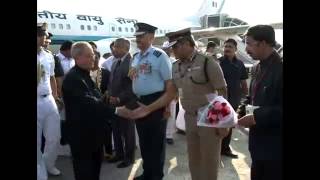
48 51
157 53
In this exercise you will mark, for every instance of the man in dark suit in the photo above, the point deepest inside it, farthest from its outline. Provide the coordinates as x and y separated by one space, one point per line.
120 91
85 114
265 122
235 74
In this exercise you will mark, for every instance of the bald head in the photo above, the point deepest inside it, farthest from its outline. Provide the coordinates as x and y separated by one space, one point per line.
83 55
78 48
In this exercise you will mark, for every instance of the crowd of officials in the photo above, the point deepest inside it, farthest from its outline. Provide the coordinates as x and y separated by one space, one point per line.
97 110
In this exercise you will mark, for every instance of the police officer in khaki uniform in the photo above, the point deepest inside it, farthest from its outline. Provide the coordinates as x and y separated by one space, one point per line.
193 83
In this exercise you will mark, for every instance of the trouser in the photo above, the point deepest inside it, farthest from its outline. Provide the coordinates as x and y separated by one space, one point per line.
266 170
171 124
151 130
108 139
49 123
225 145
203 149
86 163
41 168
124 138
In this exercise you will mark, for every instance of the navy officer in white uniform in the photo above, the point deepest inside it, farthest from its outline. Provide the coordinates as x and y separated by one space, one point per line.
152 83
48 120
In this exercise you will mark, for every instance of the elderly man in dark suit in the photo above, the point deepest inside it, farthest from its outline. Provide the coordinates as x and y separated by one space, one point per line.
120 91
86 110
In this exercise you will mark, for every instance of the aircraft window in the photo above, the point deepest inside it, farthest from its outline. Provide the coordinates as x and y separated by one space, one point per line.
157 31
113 28
95 28
126 29
82 27
164 31
160 31
119 29
89 27
53 26
60 26
131 29
68 26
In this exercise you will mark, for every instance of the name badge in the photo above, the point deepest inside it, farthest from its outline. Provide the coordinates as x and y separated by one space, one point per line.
145 68
196 68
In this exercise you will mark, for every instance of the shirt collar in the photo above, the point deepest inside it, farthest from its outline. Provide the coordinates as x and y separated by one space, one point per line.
123 57
146 52
269 60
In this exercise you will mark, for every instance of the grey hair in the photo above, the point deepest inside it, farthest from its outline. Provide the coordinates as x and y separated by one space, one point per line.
124 42
78 47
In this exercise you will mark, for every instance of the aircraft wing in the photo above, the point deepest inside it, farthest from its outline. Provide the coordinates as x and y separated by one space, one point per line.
217 32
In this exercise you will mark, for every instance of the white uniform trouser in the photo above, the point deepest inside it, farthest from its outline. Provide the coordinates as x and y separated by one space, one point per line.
171 125
180 123
41 168
49 123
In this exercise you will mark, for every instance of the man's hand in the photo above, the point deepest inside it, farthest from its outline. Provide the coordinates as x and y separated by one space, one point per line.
140 112
114 100
124 112
59 103
247 121
133 73
167 113
222 132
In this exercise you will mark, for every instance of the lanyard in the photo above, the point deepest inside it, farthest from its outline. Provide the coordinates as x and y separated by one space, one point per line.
257 82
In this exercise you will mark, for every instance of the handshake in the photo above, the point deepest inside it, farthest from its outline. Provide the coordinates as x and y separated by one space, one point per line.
137 113
132 110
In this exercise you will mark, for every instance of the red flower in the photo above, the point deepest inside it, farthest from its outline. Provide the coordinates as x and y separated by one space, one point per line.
225 111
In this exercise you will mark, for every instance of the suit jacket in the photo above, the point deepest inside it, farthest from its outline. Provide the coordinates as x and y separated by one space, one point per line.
105 75
265 138
120 85
85 110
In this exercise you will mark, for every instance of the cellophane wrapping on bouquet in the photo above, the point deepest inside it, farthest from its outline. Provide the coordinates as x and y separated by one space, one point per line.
218 113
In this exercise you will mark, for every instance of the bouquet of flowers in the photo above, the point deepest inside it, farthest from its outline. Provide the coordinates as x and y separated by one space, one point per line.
218 113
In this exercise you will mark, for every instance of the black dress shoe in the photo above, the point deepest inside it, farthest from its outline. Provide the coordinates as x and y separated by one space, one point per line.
179 131
230 154
123 164
169 141
139 177
115 159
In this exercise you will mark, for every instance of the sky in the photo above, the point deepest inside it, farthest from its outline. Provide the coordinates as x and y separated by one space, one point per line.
251 11
167 12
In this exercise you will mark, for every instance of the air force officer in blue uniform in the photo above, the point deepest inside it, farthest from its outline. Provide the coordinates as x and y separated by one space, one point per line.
152 83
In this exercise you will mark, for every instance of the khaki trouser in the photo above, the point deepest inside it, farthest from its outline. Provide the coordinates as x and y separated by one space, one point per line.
203 150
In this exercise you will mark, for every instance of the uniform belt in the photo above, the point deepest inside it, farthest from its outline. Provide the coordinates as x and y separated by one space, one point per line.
43 96
150 98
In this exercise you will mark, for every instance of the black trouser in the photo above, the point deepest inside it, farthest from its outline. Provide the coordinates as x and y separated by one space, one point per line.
152 133
124 138
266 170
86 163
225 145
108 138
